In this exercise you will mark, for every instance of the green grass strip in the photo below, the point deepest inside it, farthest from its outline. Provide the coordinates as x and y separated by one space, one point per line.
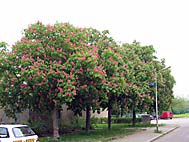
99 134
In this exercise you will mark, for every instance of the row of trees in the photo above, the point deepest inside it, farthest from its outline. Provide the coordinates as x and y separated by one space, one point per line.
83 68
180 105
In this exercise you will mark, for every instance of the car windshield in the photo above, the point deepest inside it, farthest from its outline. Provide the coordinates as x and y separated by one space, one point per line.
4 132
22 131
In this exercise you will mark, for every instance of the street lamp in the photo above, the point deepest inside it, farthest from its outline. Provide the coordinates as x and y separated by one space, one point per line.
156 72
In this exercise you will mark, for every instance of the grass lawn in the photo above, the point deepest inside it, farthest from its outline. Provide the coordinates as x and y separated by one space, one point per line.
99 134
186 115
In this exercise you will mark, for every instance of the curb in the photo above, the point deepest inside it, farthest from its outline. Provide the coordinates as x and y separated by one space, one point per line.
167 132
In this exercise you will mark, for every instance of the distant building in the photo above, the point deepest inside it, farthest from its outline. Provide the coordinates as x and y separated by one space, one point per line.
66 116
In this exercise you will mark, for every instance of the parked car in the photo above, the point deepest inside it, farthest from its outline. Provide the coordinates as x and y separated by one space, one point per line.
166 115
152 117
145 115
17 133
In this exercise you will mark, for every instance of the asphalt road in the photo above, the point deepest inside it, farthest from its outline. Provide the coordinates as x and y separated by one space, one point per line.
181 134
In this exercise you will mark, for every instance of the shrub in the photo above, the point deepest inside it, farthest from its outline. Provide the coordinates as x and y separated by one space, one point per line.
40 127
125 120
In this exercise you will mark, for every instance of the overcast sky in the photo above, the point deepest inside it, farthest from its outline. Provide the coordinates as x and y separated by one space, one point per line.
161 23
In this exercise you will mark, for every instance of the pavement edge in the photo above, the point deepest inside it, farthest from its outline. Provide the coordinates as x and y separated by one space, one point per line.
157 137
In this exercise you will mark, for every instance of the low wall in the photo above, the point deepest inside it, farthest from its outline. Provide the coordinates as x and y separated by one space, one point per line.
21 117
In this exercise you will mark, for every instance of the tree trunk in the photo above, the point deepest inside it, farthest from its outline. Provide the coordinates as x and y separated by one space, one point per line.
55 123
134 117
88 116
122 110
109 117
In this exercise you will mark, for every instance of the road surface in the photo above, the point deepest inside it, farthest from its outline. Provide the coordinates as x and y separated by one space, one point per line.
181 134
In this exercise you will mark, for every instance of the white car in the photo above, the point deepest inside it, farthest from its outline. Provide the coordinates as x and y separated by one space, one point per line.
17 133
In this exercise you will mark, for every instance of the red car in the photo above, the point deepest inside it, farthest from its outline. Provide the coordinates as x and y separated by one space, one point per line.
166 115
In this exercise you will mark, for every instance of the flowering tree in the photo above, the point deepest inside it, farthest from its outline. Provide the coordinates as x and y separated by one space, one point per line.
139 75
88 82
37 73
90 66
165 84
142 65
60 64
115 80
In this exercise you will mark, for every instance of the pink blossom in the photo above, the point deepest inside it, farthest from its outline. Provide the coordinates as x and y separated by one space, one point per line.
60 89
82 58
51 63
115 62
109 84
57 72
95 48
74 92
45 56
52 48
51 71
69 89
63 67
39 84
23 57
66 76
30 77
84 86
59 62
73 64
73 34
60 80
32 59
103 81
38 73
81 69
44 79
81 29
67 40
38 49
14 51
73 69
69 82
74 45
60 50
13 79
64 57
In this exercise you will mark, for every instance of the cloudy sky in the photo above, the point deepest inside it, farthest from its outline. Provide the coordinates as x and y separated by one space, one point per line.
161 23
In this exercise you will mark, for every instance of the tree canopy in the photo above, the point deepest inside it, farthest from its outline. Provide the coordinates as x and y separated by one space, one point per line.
84 68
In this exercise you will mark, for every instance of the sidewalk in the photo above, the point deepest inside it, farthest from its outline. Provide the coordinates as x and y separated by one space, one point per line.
147 135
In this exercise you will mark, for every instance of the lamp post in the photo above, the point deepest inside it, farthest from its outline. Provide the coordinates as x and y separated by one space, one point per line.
156 81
